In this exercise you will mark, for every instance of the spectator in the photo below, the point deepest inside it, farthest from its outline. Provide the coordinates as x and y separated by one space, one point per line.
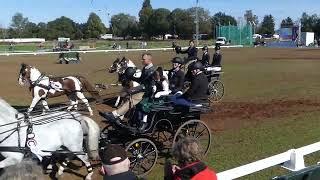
115 163
186 151
25 170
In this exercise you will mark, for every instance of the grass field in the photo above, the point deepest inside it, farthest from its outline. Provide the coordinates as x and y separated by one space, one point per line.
271 103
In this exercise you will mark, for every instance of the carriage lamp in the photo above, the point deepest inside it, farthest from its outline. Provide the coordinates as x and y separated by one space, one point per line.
137 145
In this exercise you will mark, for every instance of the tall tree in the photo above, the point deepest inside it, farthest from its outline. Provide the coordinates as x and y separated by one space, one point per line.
94 27
205 25
31 30
61 27
287 23
181 23
42 30
144 16
223 19
124 25
311 23
19 23
267 25
159 21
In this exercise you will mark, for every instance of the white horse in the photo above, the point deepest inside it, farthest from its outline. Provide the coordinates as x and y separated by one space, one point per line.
43 87
49 133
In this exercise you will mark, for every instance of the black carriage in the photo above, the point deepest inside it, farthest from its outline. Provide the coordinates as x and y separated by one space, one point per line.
69 57
166 125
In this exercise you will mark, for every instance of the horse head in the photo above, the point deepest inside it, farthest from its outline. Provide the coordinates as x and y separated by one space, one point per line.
24 74
28 74
114 67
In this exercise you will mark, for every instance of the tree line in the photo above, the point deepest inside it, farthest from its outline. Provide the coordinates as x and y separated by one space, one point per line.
151 22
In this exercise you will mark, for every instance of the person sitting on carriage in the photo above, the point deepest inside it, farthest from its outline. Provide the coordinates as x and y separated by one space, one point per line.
160 89
205 56
176 76
198 91
192 51
137 93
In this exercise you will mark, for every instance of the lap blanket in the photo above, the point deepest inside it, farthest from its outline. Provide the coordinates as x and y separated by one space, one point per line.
146 104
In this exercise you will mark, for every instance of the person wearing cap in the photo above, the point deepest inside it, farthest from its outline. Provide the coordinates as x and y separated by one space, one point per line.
176 76
205 56
198 91
217 57
115 163
192 51
187 153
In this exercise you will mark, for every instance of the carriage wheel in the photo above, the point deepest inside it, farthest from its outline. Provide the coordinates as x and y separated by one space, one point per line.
195 129
163 133
143 155
216 91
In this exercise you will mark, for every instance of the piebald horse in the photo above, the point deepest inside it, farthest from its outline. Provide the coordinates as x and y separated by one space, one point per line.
49 133
43 87
119 66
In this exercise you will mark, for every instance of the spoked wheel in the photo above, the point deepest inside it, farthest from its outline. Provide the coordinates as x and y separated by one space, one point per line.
163 134
216 91
143 155
195 129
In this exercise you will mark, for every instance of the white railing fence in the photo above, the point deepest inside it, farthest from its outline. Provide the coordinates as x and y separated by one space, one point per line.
292 160
100 51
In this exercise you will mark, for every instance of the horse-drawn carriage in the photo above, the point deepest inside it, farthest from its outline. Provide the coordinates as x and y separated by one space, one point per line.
166 125
69 57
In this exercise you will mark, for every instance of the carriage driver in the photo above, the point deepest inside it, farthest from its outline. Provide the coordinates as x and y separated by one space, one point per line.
198 91
176 76
137 93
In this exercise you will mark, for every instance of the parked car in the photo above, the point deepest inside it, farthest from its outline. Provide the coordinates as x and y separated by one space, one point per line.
221 41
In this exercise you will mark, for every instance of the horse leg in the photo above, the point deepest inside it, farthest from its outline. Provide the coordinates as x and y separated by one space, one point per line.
85 160
63 166
35 100
73 102
117 101
10 159
45 105
85 101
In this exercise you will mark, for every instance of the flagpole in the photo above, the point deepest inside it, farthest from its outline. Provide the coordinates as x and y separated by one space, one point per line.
197 23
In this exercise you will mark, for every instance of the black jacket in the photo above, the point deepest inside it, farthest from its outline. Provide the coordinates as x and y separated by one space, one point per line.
216 61
122 176
192 53
176 80
205 59
146 81
198 89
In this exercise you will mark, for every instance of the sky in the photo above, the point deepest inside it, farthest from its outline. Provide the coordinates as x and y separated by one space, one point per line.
79 10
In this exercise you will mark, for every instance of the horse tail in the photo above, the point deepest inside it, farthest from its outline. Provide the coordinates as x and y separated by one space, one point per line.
88 87
91 128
